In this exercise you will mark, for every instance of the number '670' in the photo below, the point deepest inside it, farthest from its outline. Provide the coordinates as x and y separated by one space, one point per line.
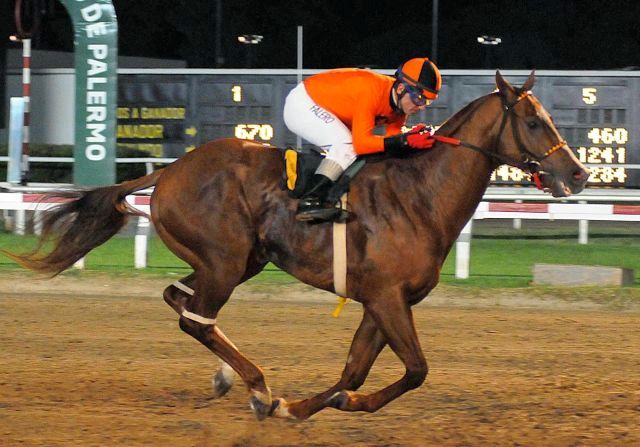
254 131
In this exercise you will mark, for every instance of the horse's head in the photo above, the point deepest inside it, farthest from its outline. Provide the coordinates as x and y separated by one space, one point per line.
528 137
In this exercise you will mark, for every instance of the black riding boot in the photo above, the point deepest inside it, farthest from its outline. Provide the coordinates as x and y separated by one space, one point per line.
313 205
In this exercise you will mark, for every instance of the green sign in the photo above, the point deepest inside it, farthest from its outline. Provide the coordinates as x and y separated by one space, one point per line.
96 62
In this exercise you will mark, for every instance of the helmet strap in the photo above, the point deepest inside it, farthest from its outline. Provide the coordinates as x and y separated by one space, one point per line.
396 97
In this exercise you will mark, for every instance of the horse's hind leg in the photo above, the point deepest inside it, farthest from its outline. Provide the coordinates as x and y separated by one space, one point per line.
198 319
212 337
177 295
367 343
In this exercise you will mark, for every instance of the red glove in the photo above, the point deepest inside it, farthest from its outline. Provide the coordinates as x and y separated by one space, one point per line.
419 128
419 137
420 140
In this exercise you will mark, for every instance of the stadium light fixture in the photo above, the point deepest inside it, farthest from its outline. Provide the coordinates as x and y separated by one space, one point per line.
489 40
250 39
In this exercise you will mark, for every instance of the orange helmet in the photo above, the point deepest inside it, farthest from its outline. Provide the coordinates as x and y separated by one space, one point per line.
421 75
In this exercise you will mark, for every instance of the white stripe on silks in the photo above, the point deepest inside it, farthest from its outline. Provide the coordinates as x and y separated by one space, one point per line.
340 253
197 318
186 289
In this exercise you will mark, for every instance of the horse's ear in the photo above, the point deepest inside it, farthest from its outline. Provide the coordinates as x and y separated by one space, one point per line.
503 86
528 85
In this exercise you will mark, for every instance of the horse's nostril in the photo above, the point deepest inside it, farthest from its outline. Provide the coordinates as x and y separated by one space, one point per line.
581 175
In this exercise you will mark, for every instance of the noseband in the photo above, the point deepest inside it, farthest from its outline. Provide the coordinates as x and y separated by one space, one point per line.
529 163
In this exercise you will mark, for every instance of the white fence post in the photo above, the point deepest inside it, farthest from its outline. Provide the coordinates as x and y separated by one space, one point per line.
517 223
463 251
141 243
583 230
20 222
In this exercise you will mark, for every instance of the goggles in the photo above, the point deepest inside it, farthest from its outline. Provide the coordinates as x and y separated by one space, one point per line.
417 97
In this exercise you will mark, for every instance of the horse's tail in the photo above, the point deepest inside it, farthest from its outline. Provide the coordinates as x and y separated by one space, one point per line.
84 221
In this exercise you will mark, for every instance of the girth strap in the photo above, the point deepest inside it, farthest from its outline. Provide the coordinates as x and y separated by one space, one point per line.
340 253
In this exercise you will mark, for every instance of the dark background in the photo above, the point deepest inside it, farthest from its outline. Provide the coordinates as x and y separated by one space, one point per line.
542 34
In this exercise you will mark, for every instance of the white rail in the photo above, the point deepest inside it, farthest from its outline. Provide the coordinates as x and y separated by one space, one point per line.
581 212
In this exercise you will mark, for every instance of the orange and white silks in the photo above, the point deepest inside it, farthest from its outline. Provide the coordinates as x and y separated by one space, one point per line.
360 99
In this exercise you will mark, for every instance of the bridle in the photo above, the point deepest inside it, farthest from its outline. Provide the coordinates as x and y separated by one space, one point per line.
530 162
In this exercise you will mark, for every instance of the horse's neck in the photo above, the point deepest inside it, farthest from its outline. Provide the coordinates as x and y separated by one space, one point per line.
460 176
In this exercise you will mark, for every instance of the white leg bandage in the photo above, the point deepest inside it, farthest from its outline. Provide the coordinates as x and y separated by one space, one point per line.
197 318
186 289
190 315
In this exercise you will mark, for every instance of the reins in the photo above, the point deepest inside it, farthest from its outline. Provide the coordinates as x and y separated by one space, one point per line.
530 163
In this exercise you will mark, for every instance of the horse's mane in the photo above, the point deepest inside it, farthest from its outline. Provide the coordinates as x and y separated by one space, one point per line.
463 115
432 161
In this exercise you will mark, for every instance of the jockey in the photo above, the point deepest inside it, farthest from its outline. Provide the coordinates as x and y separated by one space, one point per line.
337 110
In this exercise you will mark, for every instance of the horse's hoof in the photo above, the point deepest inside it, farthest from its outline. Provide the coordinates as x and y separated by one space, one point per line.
222 382
261 409
338 400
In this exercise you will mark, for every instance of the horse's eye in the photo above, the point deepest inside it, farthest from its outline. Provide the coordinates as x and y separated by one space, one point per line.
532 124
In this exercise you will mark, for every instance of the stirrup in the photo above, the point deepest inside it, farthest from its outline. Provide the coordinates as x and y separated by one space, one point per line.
318 214
322 214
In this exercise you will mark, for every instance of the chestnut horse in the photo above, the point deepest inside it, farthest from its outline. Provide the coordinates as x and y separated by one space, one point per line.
221 208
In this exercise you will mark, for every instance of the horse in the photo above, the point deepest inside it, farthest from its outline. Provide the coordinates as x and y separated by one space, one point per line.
223 210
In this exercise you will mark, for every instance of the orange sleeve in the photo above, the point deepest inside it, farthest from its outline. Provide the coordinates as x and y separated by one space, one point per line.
394 128
364 140
364 121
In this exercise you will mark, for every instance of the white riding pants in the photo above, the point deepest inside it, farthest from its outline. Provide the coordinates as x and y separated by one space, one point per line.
319 127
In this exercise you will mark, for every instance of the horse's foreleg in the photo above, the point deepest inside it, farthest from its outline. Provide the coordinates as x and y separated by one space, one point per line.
394 319
367 343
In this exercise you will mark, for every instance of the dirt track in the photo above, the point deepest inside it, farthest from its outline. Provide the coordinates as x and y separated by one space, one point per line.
97 362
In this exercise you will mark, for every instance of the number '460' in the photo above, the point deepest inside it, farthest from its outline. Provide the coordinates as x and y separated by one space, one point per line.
608 135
